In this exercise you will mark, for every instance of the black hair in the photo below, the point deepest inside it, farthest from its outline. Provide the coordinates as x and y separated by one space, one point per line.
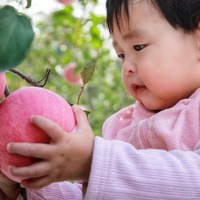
181 14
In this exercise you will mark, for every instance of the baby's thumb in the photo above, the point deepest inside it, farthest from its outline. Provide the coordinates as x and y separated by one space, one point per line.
80 116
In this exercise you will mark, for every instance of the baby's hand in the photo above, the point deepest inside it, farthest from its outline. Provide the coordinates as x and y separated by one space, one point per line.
67 157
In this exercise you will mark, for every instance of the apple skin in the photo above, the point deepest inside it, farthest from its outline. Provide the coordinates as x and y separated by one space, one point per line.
15 126
70 76
2 84
66 2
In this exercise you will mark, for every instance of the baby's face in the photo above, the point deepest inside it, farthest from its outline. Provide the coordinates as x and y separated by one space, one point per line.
160 65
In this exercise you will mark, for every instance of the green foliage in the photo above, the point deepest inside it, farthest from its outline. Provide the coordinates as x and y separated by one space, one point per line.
16 36
28 5
62 38
87 73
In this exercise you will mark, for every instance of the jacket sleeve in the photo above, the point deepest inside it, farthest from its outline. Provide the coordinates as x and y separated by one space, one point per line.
119 171
56 191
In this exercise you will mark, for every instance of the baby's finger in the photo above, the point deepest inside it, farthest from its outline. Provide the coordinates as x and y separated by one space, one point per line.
42 151
81 118
54 131
35 170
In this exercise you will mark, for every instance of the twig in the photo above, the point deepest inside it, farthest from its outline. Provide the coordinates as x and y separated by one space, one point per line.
31 81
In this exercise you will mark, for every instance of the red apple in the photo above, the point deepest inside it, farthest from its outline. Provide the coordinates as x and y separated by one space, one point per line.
2 84
66 2
71 76
15 113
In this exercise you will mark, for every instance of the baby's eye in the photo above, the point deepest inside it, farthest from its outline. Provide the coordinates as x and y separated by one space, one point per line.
121 56
139 47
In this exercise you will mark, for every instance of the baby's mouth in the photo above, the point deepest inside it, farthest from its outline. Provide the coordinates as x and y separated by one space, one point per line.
138 88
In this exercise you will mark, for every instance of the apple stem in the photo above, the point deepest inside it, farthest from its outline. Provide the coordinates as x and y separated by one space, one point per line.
31 81
79 96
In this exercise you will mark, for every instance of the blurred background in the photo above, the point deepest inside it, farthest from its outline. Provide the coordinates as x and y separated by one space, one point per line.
73 34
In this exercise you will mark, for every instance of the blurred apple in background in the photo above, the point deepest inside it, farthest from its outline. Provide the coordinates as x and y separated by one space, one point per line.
71 76
66 2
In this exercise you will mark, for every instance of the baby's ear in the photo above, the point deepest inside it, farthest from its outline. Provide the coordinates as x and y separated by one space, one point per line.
197 34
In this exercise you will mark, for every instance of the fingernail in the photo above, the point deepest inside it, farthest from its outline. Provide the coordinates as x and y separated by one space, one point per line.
75 105
10 168
8 147
31 118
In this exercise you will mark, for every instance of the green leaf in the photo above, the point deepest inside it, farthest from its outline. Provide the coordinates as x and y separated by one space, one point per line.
87 112
87 73
16 36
